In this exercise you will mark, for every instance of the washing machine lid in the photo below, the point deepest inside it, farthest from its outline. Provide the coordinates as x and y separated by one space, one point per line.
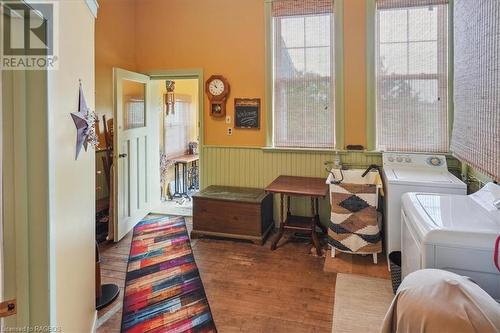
413 169
422 176
457 220
456 212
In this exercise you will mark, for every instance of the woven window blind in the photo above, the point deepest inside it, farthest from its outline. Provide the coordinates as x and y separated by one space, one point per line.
412 75
303 73
180 127
395 4
476 126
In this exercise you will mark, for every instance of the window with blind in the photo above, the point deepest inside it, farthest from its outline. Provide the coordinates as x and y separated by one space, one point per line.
412 75
303 73
180 127
476 126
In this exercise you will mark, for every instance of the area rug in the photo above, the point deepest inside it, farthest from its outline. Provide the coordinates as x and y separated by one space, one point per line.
361 303
163 288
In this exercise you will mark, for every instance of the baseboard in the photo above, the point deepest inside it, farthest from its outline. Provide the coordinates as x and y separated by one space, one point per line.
94 323
93 7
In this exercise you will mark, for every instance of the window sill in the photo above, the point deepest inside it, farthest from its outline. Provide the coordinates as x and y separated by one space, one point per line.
297 150
317 150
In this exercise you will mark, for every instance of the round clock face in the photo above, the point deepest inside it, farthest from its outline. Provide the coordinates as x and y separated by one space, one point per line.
216 87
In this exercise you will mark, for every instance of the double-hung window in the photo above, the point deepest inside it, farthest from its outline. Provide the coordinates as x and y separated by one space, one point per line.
303 73
412 75
180 127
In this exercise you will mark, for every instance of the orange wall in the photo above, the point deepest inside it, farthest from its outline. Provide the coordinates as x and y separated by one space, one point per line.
114 47
222 37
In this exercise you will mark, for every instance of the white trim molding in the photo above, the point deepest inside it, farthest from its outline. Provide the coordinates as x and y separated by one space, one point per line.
93 6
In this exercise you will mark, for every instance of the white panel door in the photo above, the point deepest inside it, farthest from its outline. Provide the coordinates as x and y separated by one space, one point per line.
133 155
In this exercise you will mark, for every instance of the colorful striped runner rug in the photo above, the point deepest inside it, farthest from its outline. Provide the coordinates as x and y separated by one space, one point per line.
163 288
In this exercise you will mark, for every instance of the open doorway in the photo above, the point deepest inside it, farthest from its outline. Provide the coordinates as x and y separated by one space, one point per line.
173 102
179 144
174 134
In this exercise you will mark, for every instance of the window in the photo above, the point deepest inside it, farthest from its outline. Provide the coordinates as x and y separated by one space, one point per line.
134 105
412 75
303 73
180 127
476 127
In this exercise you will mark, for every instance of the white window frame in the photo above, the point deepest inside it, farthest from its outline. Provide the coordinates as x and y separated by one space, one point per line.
338 56
371 82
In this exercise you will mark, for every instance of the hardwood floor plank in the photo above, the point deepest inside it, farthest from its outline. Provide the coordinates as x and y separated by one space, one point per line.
251 288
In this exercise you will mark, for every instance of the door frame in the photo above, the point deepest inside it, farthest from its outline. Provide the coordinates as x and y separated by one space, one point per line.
28 265
180 74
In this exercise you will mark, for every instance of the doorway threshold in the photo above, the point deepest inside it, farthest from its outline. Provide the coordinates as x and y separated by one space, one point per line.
180 207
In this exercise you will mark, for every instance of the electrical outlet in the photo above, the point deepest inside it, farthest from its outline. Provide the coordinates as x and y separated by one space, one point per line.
228 119
229 131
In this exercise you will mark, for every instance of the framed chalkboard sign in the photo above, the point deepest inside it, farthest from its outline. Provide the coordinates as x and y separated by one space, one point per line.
247 113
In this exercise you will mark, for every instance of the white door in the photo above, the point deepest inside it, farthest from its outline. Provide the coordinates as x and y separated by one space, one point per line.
133 153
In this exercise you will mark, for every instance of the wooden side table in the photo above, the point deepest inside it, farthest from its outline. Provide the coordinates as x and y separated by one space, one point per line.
291 186
182 189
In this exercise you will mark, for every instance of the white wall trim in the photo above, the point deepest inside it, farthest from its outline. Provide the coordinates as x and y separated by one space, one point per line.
93 6
105 317
94 322
51 190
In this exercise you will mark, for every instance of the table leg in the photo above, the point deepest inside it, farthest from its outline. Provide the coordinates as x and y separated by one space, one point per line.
314 221
196 175
184 179
288 205
191 175
177 180
282 224
322 227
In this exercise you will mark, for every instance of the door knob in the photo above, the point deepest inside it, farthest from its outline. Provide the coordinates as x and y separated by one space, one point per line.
122 155
8 308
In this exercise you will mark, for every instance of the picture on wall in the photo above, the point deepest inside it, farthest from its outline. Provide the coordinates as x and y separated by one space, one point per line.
247 113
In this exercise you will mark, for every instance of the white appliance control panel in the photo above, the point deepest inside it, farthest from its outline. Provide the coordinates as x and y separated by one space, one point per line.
401 160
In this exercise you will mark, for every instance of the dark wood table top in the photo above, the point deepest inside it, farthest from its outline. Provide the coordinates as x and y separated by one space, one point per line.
299 186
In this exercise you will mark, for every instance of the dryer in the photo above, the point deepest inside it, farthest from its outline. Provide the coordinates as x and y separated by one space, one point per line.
405 172
453 232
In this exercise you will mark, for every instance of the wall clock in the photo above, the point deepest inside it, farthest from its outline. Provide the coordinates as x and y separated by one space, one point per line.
217 89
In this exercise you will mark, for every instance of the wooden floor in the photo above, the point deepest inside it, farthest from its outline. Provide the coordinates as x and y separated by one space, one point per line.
249 287
114 258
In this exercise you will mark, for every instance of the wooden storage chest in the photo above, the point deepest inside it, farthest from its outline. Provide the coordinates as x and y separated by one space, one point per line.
233 212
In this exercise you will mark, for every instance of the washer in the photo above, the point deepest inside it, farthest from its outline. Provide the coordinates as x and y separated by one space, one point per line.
453 232
412 173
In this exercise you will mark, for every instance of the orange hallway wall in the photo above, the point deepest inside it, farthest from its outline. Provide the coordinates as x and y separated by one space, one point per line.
114 47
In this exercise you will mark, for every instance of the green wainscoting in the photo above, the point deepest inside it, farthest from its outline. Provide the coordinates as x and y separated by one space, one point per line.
257 167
